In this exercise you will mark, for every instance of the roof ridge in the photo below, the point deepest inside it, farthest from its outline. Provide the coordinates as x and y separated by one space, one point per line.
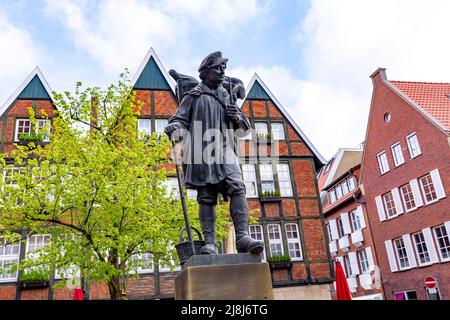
418 82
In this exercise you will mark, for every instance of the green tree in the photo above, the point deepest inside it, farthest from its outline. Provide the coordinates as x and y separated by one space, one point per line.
97 187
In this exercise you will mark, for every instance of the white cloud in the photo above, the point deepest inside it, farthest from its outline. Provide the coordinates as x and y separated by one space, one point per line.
345 41
117 34
19 55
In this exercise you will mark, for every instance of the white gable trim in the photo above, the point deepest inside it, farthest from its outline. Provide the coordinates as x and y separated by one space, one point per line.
36 71
284 112
151 53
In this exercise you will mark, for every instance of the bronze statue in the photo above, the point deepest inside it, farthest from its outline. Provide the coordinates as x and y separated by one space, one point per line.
207 120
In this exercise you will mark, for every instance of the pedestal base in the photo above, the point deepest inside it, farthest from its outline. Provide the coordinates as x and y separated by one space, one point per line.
224 277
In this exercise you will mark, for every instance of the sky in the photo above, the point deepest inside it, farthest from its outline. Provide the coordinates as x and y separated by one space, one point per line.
316 56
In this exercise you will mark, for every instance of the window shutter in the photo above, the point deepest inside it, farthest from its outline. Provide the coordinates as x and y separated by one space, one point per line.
333 228
370 258
346 223
440 192
341 261
397 201
430 245
416 192
353 263
380 208
409 250
391 256
360 214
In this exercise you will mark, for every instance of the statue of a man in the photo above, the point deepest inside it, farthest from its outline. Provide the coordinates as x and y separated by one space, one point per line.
209 117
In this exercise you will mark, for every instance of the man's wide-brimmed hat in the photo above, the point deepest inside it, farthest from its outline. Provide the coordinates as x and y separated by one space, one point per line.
212 60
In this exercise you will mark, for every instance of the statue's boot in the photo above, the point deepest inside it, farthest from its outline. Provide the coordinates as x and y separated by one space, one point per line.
239 214
207 215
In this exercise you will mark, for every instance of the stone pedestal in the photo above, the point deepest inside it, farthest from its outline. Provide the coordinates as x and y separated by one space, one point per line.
224 277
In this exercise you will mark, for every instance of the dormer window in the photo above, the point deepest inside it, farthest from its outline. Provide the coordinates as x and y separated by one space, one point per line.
341 189
23 126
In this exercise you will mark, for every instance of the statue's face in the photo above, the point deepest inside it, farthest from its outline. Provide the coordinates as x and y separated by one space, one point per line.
216 74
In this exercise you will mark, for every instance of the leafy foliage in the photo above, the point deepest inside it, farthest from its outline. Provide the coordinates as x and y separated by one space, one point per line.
97 189
279 259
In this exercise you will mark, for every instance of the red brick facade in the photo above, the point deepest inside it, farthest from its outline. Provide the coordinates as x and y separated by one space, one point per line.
433 140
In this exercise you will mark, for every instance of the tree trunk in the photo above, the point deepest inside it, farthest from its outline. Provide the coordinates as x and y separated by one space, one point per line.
114 288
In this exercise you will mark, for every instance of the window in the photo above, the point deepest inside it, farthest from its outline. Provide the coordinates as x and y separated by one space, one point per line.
145 126
348 267
397 154
421 248
328 166
363 261
144 262
267 182
338 191
402 256
413 145
277 131
256 232
355 220
429 192
284 180
37 242
9 258
249 176
407 197
9 176
340 226
405 295
329 232
22 126
275 242
389 204
43 127
382 162
332 195
160 125
443 242
344 187
261 130
351 183
293 241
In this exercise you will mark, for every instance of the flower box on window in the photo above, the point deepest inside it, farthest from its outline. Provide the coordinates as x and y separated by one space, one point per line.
34 278
270 196
36 138
34 284
264 138
280 262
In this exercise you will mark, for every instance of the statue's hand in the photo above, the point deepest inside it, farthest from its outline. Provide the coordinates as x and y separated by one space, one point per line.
171 129
233 113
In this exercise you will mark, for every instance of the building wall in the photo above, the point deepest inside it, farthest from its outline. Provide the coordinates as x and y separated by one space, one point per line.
435 149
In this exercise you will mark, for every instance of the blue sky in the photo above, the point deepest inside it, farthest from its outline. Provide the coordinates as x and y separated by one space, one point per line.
315 56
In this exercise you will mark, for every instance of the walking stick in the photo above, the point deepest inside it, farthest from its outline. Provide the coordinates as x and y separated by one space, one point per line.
183 201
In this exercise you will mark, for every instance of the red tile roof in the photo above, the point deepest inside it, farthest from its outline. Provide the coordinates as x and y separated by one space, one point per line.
432 97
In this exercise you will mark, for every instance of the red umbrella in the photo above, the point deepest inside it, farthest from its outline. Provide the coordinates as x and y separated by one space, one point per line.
342 290
78 294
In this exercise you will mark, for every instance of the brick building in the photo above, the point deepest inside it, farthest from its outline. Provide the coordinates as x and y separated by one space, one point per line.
279 166
405 180
349 234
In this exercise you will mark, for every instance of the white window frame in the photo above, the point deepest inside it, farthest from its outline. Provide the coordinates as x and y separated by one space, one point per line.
413 145
446 240
143 129
9 258
340 227
159 127
249 177
261 128
397 154
46 124
280 133
284 179
338 192
411 195
404 254
332 196
422 188
275 230
386 209
256 232
363 261
383 164
16 133
355 220
352 185
423 245
265 170
145 258
293 238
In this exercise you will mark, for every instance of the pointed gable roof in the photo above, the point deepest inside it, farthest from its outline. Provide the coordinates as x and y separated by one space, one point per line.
433 97
151 74
259 89
33 87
